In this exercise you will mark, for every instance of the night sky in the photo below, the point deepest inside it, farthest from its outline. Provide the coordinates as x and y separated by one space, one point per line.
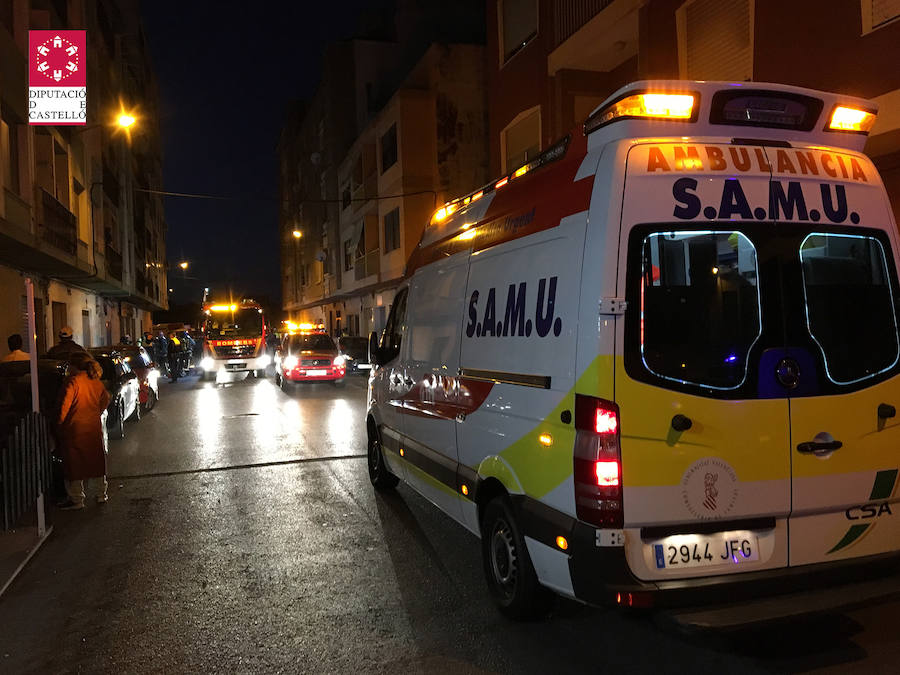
227 70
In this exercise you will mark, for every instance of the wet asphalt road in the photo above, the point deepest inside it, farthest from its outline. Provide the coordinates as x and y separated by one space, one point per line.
242 535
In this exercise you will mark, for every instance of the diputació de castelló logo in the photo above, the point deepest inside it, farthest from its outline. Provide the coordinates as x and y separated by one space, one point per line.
57 77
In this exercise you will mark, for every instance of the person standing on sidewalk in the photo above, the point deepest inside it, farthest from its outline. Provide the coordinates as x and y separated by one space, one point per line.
84 398
66 345
14 342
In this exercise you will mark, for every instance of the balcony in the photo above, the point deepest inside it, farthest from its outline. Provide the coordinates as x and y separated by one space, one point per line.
594 35
367 265
57 225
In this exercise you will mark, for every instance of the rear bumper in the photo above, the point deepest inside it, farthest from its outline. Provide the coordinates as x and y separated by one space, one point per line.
330 374
238 365
600 576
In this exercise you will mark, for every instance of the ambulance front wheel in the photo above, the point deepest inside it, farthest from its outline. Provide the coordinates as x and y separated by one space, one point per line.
379 474
510 575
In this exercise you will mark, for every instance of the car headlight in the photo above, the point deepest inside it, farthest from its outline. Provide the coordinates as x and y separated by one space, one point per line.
338 361
290 362
264 360
207 363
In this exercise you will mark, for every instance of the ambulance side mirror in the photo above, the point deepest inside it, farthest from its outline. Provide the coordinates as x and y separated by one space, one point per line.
373 349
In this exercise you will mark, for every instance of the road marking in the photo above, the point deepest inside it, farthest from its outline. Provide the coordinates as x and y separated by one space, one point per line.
300 460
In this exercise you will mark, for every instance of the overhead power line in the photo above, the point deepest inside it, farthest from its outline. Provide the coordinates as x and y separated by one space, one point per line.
191 195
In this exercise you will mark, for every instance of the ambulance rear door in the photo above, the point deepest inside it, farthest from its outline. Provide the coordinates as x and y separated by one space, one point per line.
705 440
842 361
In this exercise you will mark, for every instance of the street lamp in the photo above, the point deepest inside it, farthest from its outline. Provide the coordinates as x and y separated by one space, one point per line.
183 264
297 234
125 120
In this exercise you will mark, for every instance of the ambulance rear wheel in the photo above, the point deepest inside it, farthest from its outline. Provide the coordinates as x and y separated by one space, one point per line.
507 566
379 474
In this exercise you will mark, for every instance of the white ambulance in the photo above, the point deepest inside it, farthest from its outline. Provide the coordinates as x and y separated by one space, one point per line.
659 365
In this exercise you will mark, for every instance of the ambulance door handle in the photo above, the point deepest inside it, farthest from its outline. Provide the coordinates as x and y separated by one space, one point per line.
819 447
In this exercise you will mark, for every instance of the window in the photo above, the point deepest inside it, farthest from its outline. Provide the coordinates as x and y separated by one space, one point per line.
518 25
706 284
9 134
389 148
849 305
392 230
345 196
393 330
878 13
348 255
715 39
521 139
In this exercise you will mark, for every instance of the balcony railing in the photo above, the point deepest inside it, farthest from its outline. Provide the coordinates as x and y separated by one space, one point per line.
114 263
57 225
368 264
573 14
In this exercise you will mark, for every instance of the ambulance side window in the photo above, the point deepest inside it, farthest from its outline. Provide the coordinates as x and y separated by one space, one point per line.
701 306
850 310
393 330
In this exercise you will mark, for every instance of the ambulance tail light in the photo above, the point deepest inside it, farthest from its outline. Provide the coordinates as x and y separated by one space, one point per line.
598 462
649 105
855 120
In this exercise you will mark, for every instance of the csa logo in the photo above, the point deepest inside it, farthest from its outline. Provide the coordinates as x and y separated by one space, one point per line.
57 77
709 488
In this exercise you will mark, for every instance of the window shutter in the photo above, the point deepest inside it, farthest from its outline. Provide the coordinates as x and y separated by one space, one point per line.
717 40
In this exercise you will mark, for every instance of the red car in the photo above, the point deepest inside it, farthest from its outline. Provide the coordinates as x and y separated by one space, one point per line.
309 357
148 375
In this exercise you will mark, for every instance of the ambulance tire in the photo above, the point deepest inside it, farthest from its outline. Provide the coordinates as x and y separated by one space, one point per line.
379 474
507 566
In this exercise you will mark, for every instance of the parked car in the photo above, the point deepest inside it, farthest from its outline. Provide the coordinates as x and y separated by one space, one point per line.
143 365
15 390
309 357
124 390
355 351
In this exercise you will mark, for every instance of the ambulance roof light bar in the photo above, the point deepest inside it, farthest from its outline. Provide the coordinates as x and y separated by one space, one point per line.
657 105
551 154
854 120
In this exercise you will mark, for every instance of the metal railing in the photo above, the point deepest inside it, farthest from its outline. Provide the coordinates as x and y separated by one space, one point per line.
57 225
570 15
25 467
368 264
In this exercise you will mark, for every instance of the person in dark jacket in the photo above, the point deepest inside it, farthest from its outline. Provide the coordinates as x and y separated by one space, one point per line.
161 352
66 345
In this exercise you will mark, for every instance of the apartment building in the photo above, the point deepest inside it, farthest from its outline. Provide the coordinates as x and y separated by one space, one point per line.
550 62
75 216
424 146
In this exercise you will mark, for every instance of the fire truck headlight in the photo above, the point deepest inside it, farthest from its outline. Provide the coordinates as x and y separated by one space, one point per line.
264 360
207 363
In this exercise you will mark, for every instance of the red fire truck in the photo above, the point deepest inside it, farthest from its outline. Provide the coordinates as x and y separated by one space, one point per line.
235 339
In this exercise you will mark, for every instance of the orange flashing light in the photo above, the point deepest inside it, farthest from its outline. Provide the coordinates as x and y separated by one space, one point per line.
223 308
500 183
464 489
562 543
521 171
546 440
851 119
650 105
478 195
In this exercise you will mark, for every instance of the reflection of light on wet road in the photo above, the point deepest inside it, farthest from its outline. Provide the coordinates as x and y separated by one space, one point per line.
209 420
340 424
272 423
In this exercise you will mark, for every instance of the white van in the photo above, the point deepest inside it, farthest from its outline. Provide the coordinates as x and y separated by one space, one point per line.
658 365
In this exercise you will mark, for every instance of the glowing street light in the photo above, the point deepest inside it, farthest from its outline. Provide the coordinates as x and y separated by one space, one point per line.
183 264
297 234
125 120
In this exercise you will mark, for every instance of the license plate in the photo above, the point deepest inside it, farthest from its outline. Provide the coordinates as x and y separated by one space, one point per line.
316 373
684 551
236 366
365 366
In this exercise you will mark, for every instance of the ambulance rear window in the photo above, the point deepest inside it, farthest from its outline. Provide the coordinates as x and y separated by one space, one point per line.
700 306
850 309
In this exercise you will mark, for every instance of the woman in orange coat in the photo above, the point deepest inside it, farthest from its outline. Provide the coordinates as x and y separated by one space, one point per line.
84 398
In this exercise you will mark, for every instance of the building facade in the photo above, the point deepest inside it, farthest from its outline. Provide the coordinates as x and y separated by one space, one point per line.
550 62
76 216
